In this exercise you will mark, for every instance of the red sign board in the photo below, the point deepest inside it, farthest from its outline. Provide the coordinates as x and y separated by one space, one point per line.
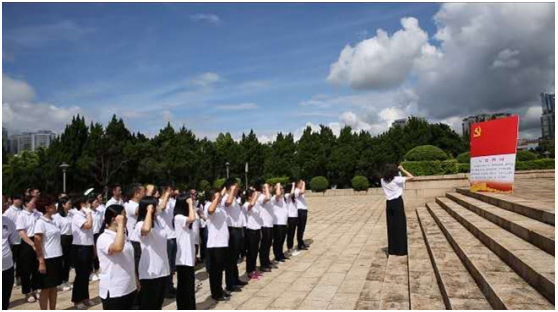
493 151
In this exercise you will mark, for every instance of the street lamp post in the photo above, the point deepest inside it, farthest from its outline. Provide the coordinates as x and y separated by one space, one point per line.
64 167
246 176
227 164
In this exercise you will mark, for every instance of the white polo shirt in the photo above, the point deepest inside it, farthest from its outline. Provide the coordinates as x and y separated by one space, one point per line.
234 215
131 207
394 188
26 221
154 261
280 211
63 223
97 220
166 217
12 213
254 220
81 236
291 207
8 238
71 212
186 249
203 209
117 271
217 229
300 200
114 201
266 211
52 246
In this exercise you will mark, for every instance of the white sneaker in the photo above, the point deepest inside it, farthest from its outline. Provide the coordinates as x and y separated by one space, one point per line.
37 295
30 298
80 306
295 252
93 277
89 303
64 287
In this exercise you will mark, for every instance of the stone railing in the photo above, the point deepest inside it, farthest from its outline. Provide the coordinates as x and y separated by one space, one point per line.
423 189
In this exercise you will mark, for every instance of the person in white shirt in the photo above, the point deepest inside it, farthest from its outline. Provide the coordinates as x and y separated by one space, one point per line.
49 252
9 235
184 216
117 281
281 214
25 225
64 223
266 213
12 213
82 252
97 224
253 233
217 247
292 221
202 213
154 269
131 207
116 198
166 207
393 185
302 207
232 208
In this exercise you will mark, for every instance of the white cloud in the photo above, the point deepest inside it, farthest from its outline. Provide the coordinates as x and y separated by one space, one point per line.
206 79
21 113
382 61
506 59
167 116
237 107
209 18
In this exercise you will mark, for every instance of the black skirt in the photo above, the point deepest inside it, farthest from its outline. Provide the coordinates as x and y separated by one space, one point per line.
53 276
396 227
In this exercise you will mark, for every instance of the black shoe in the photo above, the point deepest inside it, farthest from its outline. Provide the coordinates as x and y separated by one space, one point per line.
265 269
221 299
226 293
303 248
234 289
273 266
280 260
286 258
241 283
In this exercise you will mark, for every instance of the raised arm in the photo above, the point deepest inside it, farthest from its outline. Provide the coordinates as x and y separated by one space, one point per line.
191 214
303 188
164 199
253 200
89 222
266 193
148 222
278 192
232 196
407 173
293 186
118 244
214 203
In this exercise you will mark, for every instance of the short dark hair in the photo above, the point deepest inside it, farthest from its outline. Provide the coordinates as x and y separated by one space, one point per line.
27 199
61 203
135 188
258 185
79 201
230 182
143 204
390 171
44 201
17 196
111 212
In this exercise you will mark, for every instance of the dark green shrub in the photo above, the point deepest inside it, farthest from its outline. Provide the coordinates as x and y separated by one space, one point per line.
433 167
537 164
319 184
204 185
526 156
360 183
463 168
218 184
283 180
426 152
463 158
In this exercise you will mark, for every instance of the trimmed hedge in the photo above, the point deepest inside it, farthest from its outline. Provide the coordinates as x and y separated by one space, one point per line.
218 184
537 164
432 167
283 180
464 168
319 184
463 158
360 183
426 153
526 156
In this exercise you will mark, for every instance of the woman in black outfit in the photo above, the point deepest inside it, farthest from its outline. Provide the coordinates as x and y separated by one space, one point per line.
393 185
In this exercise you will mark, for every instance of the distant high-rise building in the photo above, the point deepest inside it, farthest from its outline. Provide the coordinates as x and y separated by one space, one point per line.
399 122
30 141
469 121
547 119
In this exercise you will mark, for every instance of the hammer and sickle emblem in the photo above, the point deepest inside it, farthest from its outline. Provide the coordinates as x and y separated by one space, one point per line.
477 132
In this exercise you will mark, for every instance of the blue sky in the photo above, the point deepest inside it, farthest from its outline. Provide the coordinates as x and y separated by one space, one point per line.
211 67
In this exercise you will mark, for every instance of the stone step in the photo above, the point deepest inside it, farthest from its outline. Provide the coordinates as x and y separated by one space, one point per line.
537 233
501 285
395 289
456 285
423 286
535 266
537 210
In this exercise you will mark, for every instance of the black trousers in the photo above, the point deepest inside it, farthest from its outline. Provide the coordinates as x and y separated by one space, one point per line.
83 258
7 285
152 293
279 235
29 272
119 303
218 259
66 242
244 244
15 255
235 243
203 243
185 288
396 227
253 238
302 218
265 247
137 255
292 224
95 257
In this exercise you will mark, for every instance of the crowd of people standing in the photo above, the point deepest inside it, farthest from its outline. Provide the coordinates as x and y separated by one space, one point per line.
133 246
